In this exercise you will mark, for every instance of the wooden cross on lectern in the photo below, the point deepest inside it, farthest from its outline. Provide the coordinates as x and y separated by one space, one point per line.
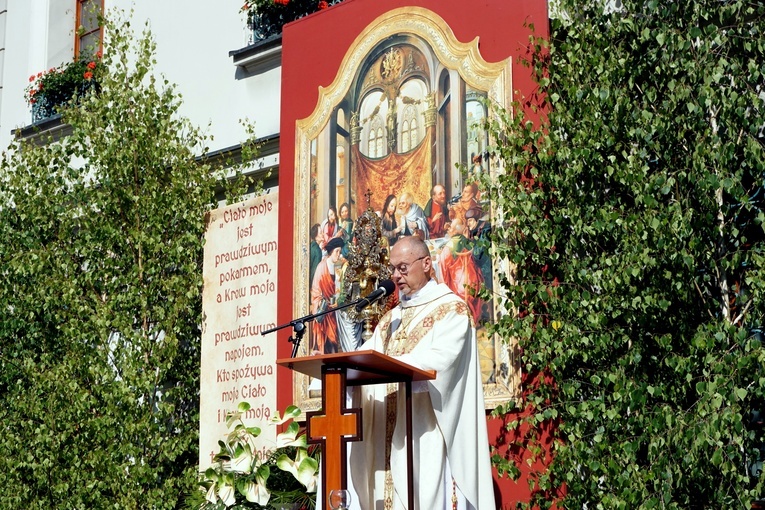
333 427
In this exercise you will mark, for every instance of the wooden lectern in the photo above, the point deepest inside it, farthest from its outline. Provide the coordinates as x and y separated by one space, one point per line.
335 425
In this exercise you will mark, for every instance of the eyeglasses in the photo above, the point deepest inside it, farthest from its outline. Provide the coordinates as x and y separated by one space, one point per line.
403 269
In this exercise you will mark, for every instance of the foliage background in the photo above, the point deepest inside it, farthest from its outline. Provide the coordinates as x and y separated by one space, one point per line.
100 263
637 241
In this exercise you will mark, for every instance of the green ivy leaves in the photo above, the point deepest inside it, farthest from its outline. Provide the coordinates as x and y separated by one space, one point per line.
634 232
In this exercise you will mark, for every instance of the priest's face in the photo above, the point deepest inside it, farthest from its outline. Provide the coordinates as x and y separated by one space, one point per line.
411 264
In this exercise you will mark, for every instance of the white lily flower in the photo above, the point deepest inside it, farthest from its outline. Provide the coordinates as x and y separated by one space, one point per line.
290 437
227 495
257 492
211 496
303 468
286 464
243 462
308 473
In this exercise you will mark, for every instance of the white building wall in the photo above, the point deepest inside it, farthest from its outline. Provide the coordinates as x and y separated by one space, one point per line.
24 54
194 38
3 24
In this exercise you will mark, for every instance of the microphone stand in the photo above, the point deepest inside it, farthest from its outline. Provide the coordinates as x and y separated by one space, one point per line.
298 325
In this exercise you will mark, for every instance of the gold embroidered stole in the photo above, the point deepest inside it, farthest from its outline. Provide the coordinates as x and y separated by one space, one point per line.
400 341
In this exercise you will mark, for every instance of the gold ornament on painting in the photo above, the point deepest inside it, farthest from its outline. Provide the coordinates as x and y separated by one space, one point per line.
392 63
367 265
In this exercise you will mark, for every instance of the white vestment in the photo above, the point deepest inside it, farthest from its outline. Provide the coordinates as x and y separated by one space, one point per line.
432 331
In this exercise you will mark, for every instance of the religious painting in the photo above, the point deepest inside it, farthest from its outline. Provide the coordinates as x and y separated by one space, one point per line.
400 134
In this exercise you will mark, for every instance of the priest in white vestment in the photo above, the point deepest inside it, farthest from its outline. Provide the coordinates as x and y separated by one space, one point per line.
432 329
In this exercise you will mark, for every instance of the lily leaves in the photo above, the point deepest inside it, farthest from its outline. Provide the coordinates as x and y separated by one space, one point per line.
242 467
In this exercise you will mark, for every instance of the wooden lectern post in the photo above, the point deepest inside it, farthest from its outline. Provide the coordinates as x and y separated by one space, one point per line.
335 425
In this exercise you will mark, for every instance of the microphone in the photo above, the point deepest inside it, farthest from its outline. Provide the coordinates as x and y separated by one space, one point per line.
384 288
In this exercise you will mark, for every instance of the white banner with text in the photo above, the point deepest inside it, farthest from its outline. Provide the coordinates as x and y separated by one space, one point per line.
238 302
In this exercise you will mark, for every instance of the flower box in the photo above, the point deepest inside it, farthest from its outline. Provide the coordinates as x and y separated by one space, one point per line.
55 87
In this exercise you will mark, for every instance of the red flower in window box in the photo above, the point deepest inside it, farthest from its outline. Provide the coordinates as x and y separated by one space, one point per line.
281 2
58 86
323 5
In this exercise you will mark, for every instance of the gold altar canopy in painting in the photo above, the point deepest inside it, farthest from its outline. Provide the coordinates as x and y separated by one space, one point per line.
402 121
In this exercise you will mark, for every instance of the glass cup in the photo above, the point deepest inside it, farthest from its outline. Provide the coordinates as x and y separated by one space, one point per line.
339 499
